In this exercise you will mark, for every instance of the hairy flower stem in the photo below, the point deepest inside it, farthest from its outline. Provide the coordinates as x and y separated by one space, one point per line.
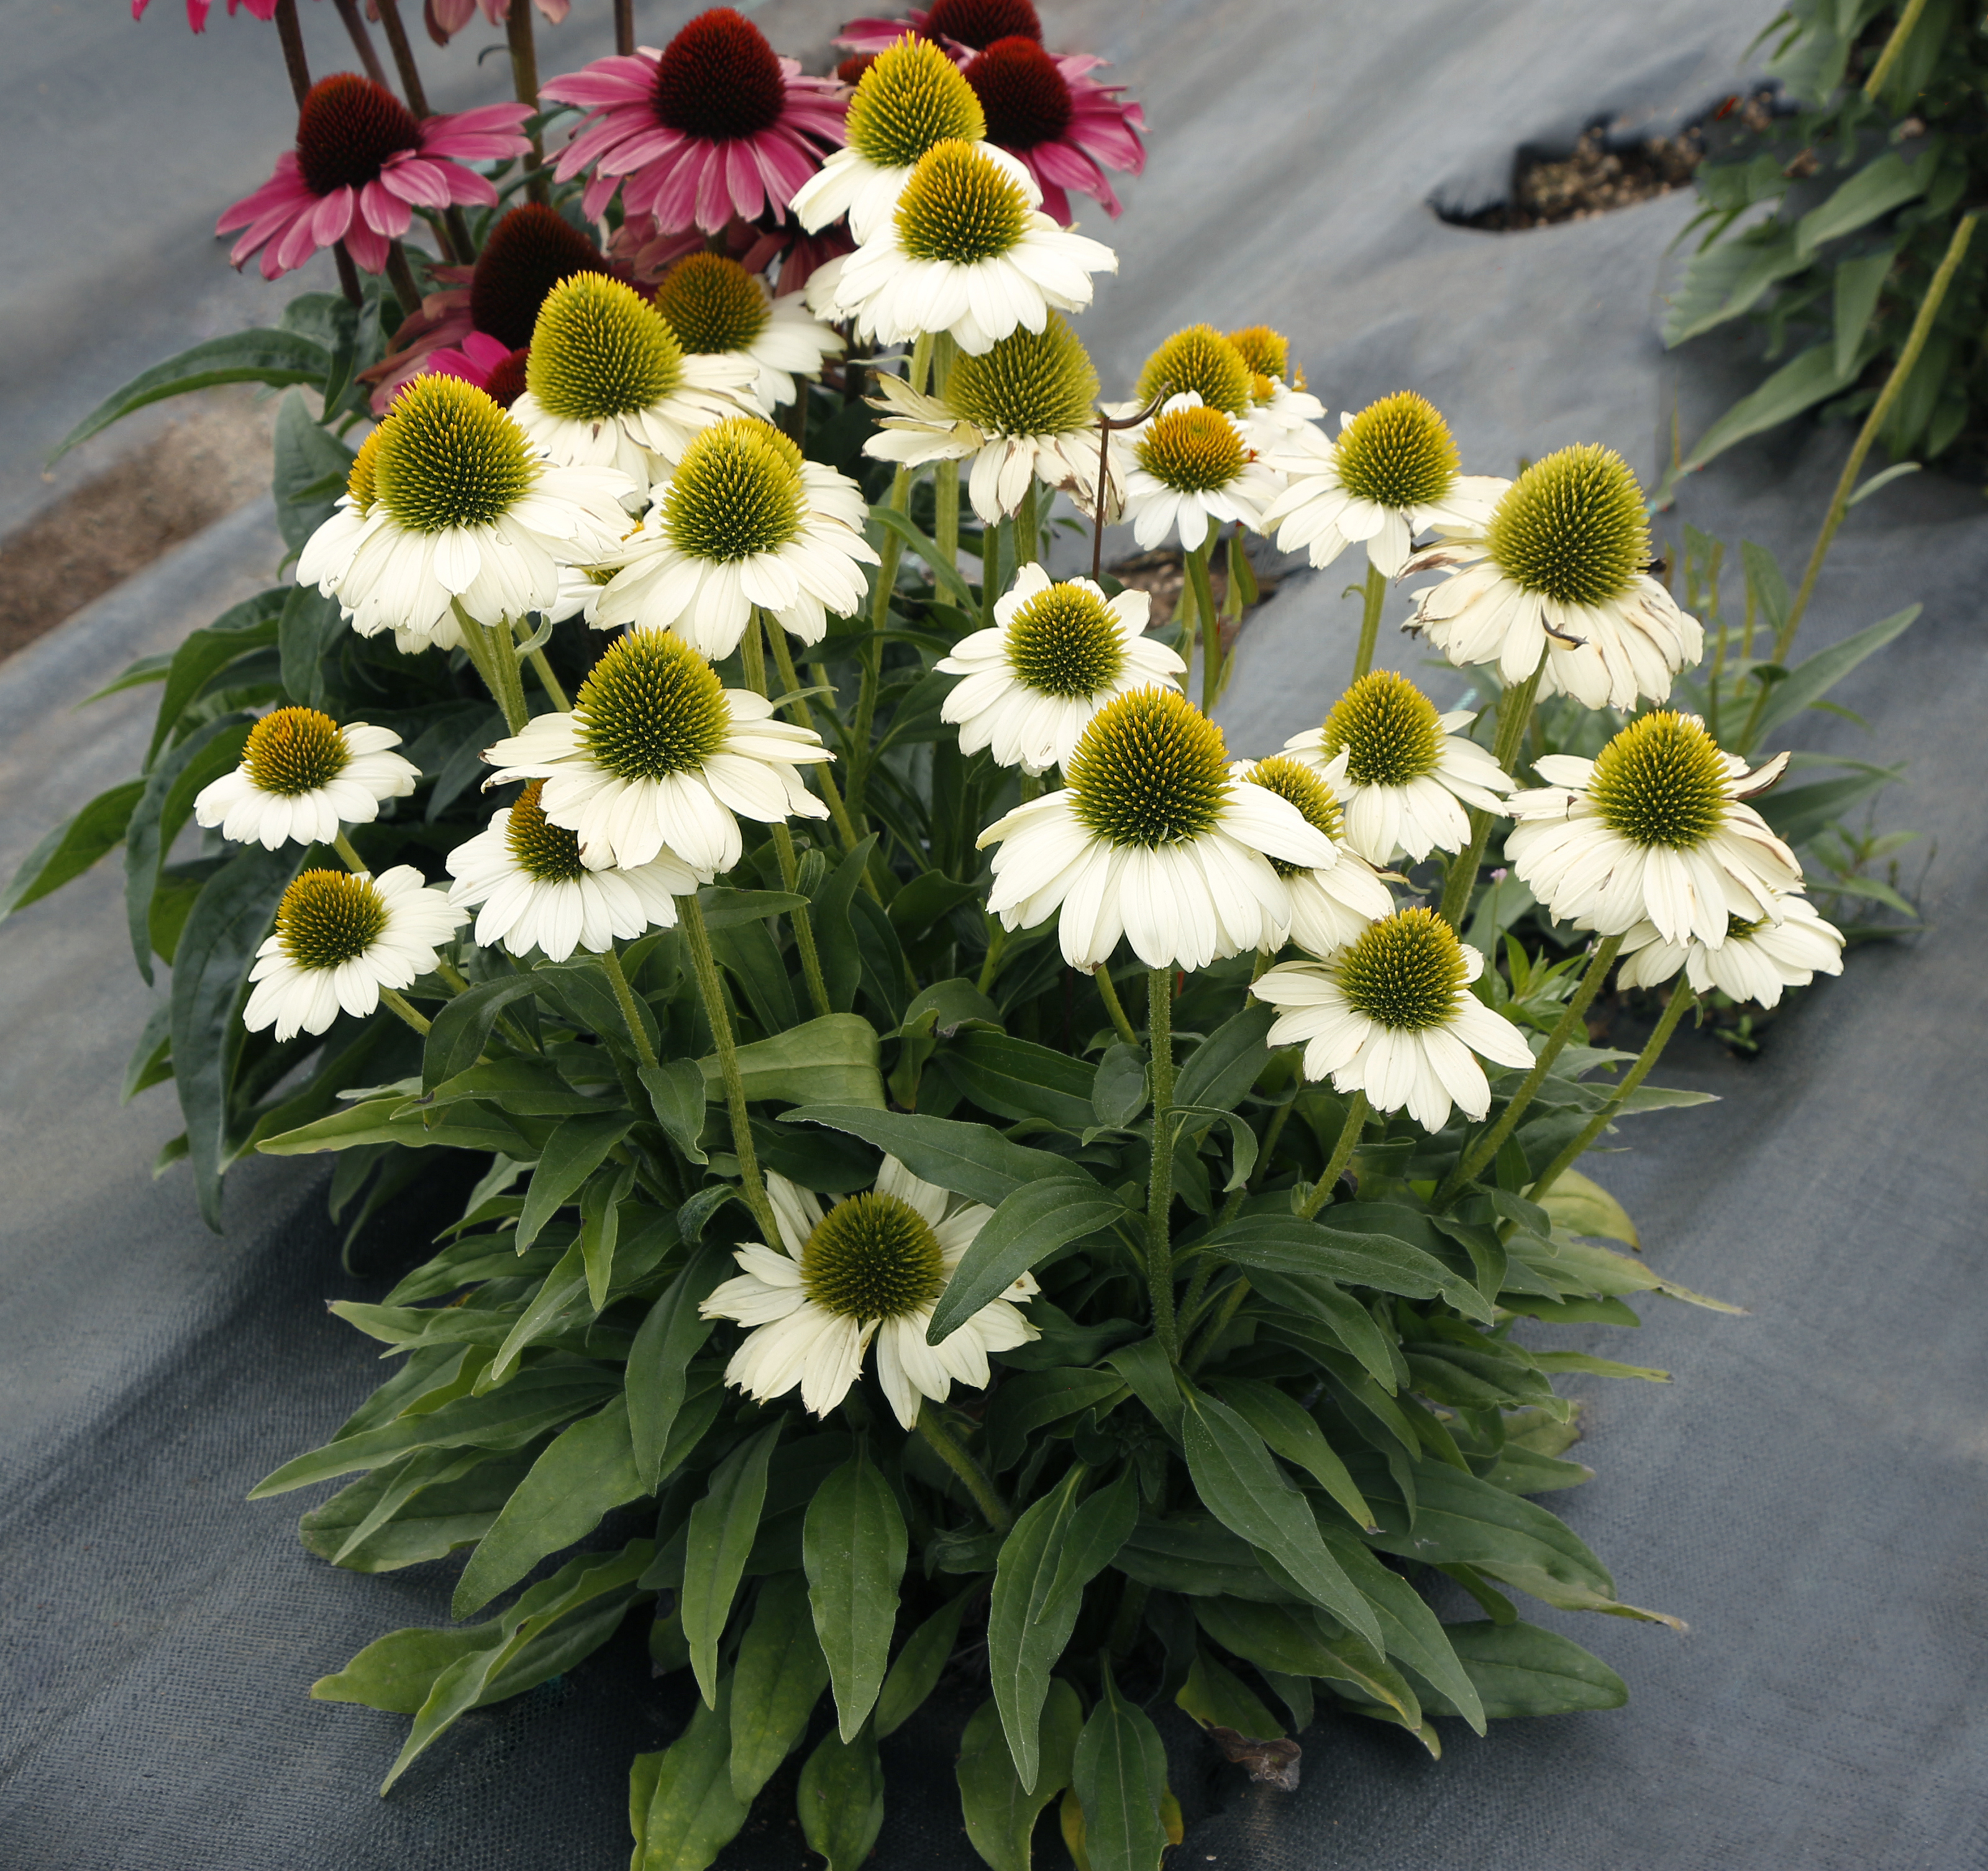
1211 624
455 231
1374 596
1108 993
362 42
353 862
494 654
400 277
1682 998
698 938
624 27
1279 1118
1028 549
753 655
1571 1021
555 689
800 712
610 959
399 1005
1881 412
941 1440
945 475
1515 712
1342 1155
1160 1190
990 569
525 84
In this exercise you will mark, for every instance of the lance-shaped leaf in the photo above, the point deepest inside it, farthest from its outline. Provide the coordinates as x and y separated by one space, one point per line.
1288 1244
257 356
1119 1774
970 1159
71 849
999 1811
1521 1670
680 1805
722 1526
915 1673
841 1798
776 1683
1028 1227
659 1360
577 1149
853 1548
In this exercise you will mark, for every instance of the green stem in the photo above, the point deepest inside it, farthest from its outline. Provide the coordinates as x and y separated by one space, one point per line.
1894 47
1160 1190
990 570
631 1011
420 1022
555 690
1515 712
1370 621
1681 998
1571 1021
949 1449
1210 624
697 938
1028 528
1232 1297
997 940
802 920
1101 974
497 662
946 510
803 716
1342 1155
1279 1118
353 862
400 277
1846 484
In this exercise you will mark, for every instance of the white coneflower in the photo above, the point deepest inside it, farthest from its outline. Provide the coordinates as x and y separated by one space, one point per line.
1058 652
966 251
1560 571
1281 405
1391 474
302 776
1654 829
1193 467
340 937
718 309
1331 903
1392 1015
1154 840
448 503
871 1269
539 891
1021 412
1756 962
608 385
910 99
745 520
657 753
1401 773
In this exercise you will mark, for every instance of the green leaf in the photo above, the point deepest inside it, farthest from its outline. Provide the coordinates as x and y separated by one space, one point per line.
1000 1813
423 1506
1055 1549
723 1525
1857 285
841 1798
1120 1773
1292 1433
1237 1480
396 1673
1028 1227
1146 1367
586 1471
777 1679
971 1160
1583 1206
1521 1670
1805 381
1122 1084
1726 280
462 1028
676 1089
210 981
691 1813
161 813
1809 681
725 908
258 356
1883 183
1225 1064
70 849
835 934
307 631
577 1149
833 1059
1030 1401
946 574
1016 1079
523 1087
1199 1559
854 1548
923 900
659 1360
311 467
1218 1697
1802 812
915 1673
1288 1244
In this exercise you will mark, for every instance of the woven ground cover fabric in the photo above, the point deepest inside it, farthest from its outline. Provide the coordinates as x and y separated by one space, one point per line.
1808 1495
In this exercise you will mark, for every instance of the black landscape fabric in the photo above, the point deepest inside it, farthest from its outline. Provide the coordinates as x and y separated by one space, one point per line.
1810 1494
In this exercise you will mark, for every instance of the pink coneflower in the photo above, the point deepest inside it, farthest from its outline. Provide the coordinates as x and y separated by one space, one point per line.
198 10
486 362
650 253
361 166
1065 125
715 125
444 18
971 25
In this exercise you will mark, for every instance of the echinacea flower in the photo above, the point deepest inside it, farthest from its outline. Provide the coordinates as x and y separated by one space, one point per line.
1281 405
1391 474
715 125
1153 839
1021 412
655 752
607 384
449 504
1330 903
1401 773
911 99
1559 574
968 26
445 18
340 937
1392 1015
198 10
966 251
1059 120
718 309
363 163
1192 468
1197 360
870 1270
539 891
303 777
1056 655
1756 962
498 372
1655 829
745 519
